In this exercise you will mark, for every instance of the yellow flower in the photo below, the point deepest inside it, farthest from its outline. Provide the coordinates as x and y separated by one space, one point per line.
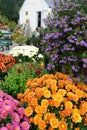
54 122
68 104
58 97
62 92
37 118
46 94
41 64
44 102
76 117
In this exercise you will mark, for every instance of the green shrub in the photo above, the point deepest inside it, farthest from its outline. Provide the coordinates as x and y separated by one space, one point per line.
34 39
18 75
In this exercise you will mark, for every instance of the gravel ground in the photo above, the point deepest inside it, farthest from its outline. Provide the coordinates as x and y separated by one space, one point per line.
6 52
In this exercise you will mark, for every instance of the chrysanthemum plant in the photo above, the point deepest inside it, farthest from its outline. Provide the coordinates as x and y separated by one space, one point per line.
12 115
18 75
65 42
55 102
6 62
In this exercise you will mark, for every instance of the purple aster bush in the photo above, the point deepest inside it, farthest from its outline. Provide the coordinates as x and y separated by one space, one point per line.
65 41
12 115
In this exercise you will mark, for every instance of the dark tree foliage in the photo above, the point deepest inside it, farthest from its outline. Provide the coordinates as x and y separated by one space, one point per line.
10 8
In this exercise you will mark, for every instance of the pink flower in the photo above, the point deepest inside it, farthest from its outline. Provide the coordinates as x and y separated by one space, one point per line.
16 127
21 111
7 102
4 114
15 118
1 103
3 128
8 108
9 126
25 125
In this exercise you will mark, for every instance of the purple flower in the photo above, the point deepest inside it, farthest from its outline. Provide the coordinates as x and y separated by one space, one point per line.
48 67
85 60
79 13
84 65
71 41
70 79
83 43
74 68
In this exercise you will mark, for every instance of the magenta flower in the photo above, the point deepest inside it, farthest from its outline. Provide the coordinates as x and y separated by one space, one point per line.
11 113
3 128
21 111
15 118
7 102
16 127
8 108
9 126
4 114
25 125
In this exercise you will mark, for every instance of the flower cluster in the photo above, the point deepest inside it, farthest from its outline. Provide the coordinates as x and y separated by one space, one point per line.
6 62
24 50
12 115
28 53
66 36
56 102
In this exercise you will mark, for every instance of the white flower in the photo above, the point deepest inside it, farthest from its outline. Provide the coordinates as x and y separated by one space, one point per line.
24 50
40 56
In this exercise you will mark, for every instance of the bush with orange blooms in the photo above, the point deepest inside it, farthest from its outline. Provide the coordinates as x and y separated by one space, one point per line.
55 102
6 61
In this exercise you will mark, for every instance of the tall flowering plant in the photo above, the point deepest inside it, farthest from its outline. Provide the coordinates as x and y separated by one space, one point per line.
65 42
12 115
55 102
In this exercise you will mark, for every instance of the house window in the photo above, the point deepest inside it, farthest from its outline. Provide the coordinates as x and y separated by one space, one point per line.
26 13
39 19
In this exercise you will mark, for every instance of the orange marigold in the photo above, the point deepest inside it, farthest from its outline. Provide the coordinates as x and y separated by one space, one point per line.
34 101
44 102
68 104
42 125
62 92
28 111
54 122
38 109
63 125
37 118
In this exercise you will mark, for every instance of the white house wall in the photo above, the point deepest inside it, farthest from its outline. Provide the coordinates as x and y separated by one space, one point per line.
33 6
